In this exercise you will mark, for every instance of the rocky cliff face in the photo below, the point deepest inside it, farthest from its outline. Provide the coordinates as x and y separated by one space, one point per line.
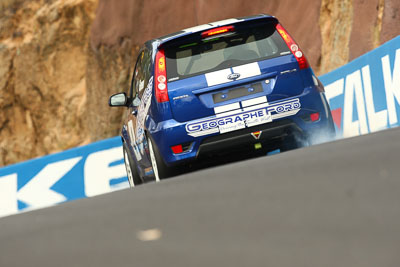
61 59
43 59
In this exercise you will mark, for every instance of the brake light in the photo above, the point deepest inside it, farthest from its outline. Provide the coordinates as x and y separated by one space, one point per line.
217 31
181 148
161 89
177 149
314 117
294 48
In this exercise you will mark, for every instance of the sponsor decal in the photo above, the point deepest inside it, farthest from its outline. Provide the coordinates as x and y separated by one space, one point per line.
257 146
236 119
256 135
288 71
133 139
285 53
180 97
142 111
173 79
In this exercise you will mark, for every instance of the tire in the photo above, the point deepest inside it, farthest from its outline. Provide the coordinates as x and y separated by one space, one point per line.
131 170
160 169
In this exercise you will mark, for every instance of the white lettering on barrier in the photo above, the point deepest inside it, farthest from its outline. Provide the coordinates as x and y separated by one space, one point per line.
376 120
98 173
361 86
334 89
37 193
354 87
392 85
8 194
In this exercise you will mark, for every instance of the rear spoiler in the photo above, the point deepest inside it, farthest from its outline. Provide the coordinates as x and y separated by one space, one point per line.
200 31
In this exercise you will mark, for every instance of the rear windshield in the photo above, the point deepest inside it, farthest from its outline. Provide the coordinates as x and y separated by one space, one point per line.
237 48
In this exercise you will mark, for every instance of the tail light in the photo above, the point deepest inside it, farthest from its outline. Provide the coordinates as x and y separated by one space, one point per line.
294 48
177 149
161 88
314 117
217 31
181 148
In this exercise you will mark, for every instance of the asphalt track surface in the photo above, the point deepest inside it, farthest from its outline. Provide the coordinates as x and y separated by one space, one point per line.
335 204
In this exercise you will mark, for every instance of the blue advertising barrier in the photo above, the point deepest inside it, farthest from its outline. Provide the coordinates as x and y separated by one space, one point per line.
364 95
80 172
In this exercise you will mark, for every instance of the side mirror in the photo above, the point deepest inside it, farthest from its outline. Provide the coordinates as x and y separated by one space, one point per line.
118 100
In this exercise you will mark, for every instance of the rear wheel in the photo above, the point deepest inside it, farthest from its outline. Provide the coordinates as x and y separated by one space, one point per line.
131 171
160 169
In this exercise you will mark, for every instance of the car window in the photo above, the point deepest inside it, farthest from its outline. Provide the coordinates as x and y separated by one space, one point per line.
138 80
245 46
142 73
146 70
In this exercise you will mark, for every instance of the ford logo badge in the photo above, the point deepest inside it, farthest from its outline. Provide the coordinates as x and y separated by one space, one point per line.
233 76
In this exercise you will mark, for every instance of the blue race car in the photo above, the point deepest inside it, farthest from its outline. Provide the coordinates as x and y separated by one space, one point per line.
224 88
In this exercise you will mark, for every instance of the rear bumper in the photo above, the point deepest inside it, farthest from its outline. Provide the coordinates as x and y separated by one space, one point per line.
275 133
271 136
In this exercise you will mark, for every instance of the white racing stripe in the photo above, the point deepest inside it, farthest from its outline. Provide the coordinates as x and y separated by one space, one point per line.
225 22
218 77
247 70
254 101
263 105
197 28
226 108
221 76
228 113
211 25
